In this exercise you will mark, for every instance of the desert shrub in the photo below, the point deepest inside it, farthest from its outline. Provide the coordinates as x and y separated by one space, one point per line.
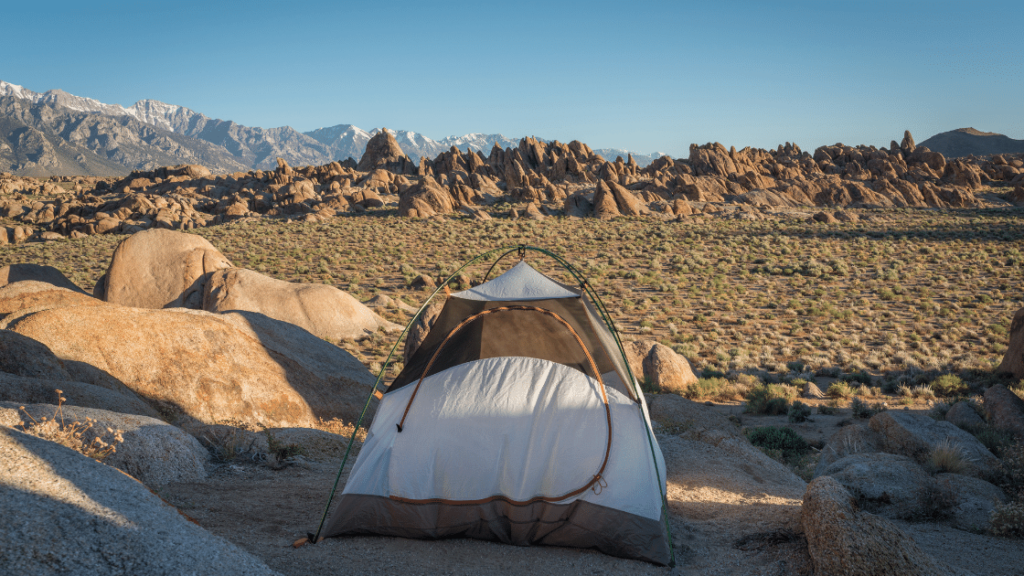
1012 477
949 385
947 457
706 388
79 436
785 440
830 409
938 412
770 399
839 389
859 377
861 409
279 450
1008 520
799 412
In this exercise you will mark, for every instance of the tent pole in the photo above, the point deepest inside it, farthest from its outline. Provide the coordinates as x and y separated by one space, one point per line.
602 310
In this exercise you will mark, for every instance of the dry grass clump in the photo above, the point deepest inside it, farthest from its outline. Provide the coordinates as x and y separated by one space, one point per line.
79 436
948 457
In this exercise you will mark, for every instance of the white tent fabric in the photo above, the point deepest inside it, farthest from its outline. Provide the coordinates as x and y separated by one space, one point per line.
521 282
538 429
506 447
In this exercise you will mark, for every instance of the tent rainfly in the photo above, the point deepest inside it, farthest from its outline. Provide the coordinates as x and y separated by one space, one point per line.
517 420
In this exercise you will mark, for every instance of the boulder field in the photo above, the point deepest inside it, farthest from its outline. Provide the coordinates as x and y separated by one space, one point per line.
567 179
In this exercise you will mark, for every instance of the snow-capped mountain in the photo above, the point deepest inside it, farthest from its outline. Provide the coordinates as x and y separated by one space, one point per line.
253 146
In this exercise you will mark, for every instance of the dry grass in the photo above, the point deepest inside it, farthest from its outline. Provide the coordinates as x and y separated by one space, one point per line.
948 456
906 297
76 435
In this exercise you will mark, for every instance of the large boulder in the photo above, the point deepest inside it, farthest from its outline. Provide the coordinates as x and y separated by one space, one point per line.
35 295
242 367
1013 358
1005 410
847 441
917 435
160 269
23 356
323 310
419 330
425 199
887 484
39 391
151 451
975 499
383 152
845 541
65 513
35 272
964 416
666 370
659 365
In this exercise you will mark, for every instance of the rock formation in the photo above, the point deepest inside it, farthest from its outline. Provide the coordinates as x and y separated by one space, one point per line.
323 310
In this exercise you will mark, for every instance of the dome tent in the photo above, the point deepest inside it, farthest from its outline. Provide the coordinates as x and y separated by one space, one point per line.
516 420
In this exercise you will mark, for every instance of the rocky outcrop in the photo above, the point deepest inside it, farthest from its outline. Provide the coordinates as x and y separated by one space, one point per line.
160 269
383 152
323 310
975 499
1013 358
1005 410
419 330
964 416
425 199
150 450
847 441
42 391
660 366
30 295
917 435
23 356
887 484
34 272
240 367
65 513
845 541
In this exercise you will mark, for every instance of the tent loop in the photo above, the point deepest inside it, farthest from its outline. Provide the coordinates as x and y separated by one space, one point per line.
599 485
522 253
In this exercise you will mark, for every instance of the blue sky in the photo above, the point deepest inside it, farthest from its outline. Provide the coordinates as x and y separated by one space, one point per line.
645 76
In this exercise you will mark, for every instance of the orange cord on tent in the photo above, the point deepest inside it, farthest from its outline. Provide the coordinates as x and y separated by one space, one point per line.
604 398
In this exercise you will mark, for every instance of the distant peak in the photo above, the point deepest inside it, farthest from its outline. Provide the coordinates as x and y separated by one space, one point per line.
974 132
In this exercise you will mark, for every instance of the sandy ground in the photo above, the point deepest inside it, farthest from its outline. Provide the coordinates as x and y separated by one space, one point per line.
747 527
264 511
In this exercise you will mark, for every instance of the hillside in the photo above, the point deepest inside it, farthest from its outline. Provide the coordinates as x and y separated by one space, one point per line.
47 139
967 141
165 134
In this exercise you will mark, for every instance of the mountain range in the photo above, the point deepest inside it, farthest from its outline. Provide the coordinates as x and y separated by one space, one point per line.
57 133
968 141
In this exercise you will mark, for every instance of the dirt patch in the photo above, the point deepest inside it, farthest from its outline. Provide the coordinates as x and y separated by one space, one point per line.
264 511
